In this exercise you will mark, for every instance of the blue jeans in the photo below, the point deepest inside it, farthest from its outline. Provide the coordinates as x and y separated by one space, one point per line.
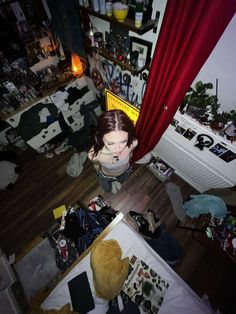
106 181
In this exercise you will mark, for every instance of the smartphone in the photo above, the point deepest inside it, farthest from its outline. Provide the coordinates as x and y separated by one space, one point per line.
81 294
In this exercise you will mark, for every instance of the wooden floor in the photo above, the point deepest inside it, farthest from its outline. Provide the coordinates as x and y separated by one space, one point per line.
26 212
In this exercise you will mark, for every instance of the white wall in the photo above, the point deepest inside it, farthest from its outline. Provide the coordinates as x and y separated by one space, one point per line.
221 64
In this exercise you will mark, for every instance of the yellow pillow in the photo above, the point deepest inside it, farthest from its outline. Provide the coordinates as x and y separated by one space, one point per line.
109 270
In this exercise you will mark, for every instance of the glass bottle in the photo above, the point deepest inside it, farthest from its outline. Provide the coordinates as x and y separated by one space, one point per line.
138 13
91 35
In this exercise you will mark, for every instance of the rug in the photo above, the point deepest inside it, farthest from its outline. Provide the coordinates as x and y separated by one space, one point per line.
37 268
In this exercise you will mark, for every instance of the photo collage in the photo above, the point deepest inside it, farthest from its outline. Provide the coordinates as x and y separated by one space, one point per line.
218 149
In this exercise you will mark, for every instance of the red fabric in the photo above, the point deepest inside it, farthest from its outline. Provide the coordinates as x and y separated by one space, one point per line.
189 32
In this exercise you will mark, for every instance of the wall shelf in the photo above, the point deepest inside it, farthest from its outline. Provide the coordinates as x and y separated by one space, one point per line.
104 53
128 24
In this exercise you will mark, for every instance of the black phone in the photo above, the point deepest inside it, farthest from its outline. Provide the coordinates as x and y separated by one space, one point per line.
81 294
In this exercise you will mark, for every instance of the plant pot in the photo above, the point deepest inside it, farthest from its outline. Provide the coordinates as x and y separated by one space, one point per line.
230 132
195 112
217 126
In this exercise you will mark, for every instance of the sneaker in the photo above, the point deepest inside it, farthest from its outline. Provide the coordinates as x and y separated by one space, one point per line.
118 185
113 187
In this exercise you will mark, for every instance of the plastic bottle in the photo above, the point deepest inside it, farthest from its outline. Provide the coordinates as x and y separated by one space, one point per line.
138 13
95 5
91 35
102 6
86 3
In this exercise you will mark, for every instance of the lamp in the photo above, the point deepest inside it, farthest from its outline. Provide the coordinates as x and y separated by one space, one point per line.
77 65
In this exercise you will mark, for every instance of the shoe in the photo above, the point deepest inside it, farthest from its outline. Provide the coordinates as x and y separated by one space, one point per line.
118 185
113 187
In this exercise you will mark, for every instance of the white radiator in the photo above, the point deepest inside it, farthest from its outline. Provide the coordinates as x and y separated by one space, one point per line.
202 169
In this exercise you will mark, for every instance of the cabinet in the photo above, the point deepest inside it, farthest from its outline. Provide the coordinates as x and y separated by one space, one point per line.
12 298
70 111
15 118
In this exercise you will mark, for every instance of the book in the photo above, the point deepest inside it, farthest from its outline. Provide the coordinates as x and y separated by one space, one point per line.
59 211
81 294
144 286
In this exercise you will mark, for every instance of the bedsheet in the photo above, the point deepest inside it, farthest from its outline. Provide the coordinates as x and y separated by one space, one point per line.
179 298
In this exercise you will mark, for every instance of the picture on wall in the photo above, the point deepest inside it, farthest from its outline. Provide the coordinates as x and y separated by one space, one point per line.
218 149
174 122
189 134
144 48
180 130
228 156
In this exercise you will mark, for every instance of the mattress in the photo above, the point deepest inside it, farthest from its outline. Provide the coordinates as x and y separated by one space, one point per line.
179 298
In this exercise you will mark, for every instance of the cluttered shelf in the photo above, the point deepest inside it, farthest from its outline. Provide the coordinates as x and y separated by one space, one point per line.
128 24
124 65
52 87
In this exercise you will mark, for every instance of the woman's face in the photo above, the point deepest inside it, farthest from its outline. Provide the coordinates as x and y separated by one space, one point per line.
115 141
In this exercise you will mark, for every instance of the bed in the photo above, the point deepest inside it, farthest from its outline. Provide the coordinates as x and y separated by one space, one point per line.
179 298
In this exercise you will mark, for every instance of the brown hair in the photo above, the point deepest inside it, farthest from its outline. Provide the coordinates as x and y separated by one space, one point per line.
113 120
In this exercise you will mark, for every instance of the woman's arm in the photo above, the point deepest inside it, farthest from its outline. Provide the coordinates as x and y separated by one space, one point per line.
94 159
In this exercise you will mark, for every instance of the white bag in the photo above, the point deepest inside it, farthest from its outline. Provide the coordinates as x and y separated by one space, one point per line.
75 164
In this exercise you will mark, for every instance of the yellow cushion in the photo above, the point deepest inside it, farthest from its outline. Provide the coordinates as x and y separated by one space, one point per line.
109 270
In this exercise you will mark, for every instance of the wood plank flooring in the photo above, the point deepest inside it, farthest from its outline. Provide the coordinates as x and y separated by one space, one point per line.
26 212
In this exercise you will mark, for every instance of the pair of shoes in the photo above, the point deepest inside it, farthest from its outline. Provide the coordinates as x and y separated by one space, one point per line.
115 186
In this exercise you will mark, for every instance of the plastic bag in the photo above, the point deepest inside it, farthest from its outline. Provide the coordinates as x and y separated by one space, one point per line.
75 164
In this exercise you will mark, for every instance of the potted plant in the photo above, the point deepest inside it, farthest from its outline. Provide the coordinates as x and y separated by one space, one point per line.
230 130
233 117
197 100
218 119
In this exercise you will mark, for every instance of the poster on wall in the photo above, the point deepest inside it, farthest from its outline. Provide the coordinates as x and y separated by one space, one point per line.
115 102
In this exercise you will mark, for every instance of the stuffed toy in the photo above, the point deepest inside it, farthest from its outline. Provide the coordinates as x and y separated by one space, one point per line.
109 270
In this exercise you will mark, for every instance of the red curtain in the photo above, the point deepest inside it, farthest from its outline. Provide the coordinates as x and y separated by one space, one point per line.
189 32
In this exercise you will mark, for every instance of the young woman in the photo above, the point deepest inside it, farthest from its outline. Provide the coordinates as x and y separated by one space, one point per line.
113 146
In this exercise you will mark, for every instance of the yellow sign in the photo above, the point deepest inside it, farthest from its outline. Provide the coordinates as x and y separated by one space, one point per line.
115 102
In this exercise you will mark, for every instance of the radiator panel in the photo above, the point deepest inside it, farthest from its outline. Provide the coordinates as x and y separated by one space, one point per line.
202 169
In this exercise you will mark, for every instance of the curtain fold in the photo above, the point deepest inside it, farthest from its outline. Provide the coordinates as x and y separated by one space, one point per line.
189 32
